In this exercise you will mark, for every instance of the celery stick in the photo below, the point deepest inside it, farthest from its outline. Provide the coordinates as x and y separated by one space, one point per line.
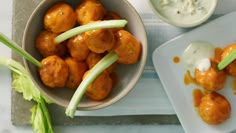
46 116
104 63
227 60
91 26
9 43
22 83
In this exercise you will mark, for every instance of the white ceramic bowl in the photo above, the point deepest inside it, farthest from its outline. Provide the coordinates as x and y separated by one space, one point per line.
128 74
185 13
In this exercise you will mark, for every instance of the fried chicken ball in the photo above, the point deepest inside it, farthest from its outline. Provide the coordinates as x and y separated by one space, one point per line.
76 72
100 88
231 68
77 47
54 72
212 79
127 47
112 16
115 78
214 108
89 10
94 58
46 45
100 40
59 18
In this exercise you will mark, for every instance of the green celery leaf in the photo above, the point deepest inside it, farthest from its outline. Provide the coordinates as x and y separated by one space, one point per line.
24 84
37 119
40 118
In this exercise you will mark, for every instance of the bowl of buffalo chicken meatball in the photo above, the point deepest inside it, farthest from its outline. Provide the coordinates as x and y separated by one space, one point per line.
66 64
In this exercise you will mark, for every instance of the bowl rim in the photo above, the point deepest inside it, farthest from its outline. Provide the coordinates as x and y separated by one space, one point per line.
181 25
128 87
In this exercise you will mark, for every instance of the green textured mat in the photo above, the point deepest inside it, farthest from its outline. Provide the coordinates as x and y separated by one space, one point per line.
21 108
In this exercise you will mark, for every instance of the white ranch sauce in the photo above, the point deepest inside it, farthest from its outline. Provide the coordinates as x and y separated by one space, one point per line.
197 55
203 64
184 11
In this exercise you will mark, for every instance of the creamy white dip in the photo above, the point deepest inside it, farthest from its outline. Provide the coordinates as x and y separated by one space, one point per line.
203 64
197 55
184 12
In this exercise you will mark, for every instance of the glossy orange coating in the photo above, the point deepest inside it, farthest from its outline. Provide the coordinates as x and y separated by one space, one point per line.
46 45
127 47
77 47
100 40
212 79
76 72
89 10
54 72
112 16
214 108
218 52
233 85
188 79
115 78
59 18
101 87
197 97
94 58
231 68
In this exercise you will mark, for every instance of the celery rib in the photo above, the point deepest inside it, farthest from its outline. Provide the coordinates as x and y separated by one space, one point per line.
227 60
9 43
46 116
104 63
91 26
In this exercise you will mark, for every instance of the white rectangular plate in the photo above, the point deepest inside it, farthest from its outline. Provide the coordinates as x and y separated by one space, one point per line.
219 32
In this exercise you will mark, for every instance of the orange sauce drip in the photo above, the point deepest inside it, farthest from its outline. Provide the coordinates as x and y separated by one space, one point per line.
197 96
176 59
218 52
188 79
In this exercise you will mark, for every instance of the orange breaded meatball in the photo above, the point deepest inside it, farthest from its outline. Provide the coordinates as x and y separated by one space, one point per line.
127 47
93 59
231 68
100 88
77 47
112 16
59 18
212 79
46 45
115 78
76 72
89 10
214 108
100 40
54 72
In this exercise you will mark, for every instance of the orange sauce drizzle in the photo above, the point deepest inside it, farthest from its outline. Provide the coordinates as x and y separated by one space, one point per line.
176 59
218 52
188 79
197 96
